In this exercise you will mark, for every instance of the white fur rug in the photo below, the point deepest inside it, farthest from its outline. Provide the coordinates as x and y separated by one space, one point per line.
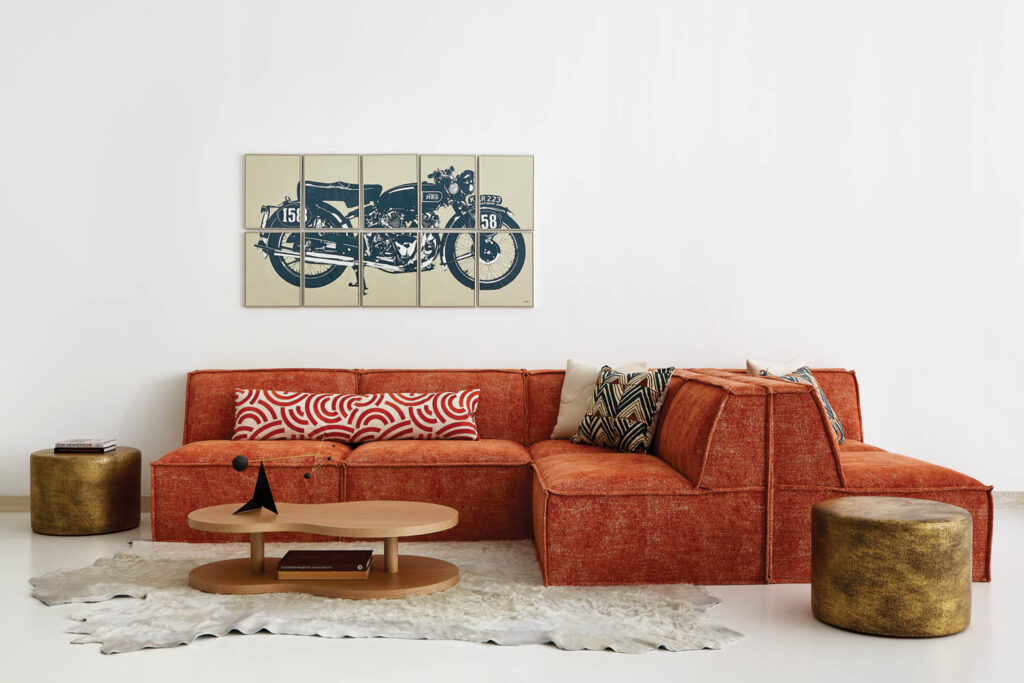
500 598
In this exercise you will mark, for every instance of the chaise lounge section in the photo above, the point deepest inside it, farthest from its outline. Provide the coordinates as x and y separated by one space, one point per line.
724 497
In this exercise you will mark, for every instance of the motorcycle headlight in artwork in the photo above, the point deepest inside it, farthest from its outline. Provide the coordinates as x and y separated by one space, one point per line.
453 188
466 181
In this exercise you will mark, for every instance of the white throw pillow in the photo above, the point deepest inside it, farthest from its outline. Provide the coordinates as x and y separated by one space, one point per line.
577 390
760 368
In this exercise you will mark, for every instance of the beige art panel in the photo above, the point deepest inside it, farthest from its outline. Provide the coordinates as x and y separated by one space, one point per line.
448 191
389 191
449 277
269 180
505 272
506 183
271 280
328 282
332 191
387 258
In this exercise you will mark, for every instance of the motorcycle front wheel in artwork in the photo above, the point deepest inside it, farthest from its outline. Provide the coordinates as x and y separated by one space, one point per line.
502 255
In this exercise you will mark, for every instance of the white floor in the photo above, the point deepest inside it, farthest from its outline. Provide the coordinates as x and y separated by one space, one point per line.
784 642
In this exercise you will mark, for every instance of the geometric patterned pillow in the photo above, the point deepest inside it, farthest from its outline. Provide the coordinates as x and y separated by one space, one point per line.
624 410
804 376
355 418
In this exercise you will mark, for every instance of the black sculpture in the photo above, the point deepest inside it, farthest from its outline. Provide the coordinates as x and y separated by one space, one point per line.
262 496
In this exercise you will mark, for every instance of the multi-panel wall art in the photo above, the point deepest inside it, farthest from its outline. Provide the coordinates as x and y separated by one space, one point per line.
388 230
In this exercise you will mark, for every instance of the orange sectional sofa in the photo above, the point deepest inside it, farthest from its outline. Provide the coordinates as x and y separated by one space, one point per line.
725 497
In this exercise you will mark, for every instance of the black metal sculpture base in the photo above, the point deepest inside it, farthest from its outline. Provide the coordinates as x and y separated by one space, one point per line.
262 496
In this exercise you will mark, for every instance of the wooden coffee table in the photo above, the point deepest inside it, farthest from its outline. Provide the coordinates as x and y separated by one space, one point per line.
391 576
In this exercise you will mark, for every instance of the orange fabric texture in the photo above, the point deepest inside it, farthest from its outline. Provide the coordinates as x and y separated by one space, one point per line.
880 469
852 446
199 474
626 539
493 500
543 449
543 396
502 410
210 394
447 453
609 474
725 497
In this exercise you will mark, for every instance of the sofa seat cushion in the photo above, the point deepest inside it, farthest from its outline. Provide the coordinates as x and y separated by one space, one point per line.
439 453
199 474
884 470
609 474
220 453
543 449
487 481
852 446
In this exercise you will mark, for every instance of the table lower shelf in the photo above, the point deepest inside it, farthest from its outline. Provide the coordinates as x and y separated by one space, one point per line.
415 576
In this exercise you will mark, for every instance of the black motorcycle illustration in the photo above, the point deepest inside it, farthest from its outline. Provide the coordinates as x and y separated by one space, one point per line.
501 254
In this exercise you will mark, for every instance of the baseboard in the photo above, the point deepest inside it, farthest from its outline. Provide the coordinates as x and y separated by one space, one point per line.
1008 499
1001 499
21 504
13 503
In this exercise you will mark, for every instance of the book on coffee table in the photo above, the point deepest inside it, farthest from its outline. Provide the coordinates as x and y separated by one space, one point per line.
319 565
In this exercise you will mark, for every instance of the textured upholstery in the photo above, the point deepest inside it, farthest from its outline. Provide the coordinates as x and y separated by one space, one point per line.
493 500
713 432
852 446
487 481
199 474
543 449
502 411
649 538
543 393
880 469
609 474
210 394
447 453
725 497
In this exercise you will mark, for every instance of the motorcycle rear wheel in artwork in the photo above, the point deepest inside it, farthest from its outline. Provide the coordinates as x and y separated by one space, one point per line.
288 267
317 274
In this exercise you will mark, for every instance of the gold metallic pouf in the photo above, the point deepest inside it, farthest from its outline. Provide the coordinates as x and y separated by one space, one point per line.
891 566
74 494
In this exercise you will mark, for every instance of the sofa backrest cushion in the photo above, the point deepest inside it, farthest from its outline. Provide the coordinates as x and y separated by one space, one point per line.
210 394
502 410
712 431
844 395
805 451
543 393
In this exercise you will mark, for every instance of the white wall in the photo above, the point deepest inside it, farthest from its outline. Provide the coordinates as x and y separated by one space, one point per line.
842 181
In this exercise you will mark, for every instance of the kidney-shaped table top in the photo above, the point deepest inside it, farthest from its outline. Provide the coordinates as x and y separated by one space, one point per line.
354 519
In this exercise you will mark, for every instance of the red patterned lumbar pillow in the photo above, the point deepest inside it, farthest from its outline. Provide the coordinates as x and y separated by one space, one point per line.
355 418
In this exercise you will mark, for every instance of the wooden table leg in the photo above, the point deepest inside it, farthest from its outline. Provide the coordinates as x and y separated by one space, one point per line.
391 555
256 553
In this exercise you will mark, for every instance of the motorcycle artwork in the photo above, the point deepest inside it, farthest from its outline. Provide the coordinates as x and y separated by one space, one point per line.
330 243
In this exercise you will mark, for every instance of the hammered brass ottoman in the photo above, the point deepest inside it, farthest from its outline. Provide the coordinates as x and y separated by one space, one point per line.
76 494
891 566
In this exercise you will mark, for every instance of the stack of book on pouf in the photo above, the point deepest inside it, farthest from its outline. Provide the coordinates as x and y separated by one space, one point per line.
320 565
85 446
